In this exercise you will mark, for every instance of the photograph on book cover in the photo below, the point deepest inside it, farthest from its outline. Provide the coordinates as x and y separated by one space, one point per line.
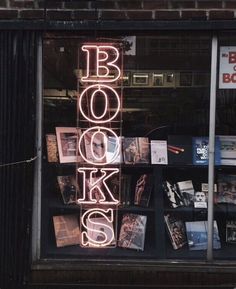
95 147
100 231
68 187
143 190
132 232
136 150
228 150
176 231
226 189
197 235
67 138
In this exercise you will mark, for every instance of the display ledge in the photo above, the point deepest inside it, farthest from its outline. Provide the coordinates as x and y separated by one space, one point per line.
218 208
76 208
124 264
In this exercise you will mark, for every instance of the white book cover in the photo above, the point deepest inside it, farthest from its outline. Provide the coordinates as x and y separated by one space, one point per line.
159 152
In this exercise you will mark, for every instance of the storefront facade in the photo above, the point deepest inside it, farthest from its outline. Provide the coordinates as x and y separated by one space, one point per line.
168 216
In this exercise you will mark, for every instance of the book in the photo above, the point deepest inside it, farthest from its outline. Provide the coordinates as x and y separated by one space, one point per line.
95 147
200 200
176 231
132 231
231 231
179 149
228 149
186 191
172 193
136 150
113 149
68 187
52 151
201 151
159 152
143 190
100 232
125 190
67 138
197 235
67 230
226 189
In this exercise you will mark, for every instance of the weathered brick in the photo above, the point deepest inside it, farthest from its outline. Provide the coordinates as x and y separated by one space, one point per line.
85 15
50 4
223 14
129 4
209 4
167 15
103 5
31 14
153 5
8 14
21 4
230 4
114 15
139 15
77 5
194 15
183 4
59 15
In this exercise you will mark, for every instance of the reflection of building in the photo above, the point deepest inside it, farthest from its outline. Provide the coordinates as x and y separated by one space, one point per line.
167 82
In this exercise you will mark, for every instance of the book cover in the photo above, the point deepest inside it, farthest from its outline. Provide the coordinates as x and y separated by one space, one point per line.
143 190
52 151
67 230
179 149
197 235
187 192
228 149
68 187
226 189
67 138
172 193
125 190
231 231
132 231
159 152
100 231
200 200
201 151
112 148
176 231
95 147
136 150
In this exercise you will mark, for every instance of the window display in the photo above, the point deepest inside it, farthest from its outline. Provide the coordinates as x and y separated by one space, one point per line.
126 148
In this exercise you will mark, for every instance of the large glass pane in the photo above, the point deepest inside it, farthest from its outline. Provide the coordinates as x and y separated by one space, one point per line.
164 84
225 176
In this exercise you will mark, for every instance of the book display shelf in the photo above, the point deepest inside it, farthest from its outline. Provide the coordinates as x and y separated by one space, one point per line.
162 186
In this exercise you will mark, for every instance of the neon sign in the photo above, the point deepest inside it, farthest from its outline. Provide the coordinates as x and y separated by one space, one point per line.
99 106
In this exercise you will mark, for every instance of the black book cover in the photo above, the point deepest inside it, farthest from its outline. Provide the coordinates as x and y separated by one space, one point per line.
179 149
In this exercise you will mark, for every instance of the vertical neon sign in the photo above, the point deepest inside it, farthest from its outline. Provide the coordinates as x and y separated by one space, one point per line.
99 107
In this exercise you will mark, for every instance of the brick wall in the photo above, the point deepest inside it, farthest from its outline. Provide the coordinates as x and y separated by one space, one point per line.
119 9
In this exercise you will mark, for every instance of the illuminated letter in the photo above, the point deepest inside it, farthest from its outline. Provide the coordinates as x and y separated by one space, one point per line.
89 95
97 157
97 222
105 57
99 186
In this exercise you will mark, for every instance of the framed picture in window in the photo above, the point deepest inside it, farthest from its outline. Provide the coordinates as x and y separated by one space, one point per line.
140 79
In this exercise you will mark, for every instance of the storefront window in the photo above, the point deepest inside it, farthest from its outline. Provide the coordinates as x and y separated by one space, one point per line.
225 178
164 88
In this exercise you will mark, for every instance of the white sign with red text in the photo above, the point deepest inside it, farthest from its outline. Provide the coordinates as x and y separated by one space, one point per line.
227 72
